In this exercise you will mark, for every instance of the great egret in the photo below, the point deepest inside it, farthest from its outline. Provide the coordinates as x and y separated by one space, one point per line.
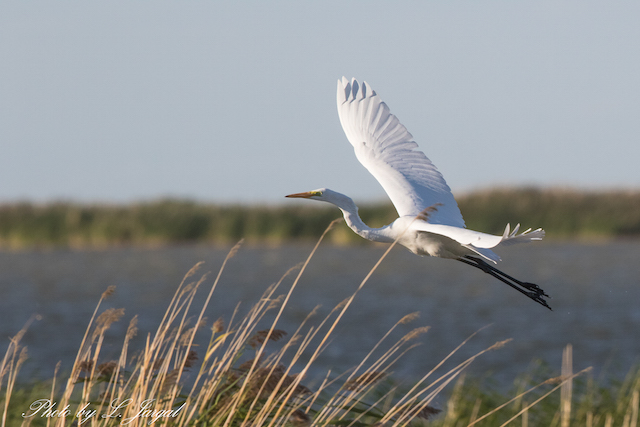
430 222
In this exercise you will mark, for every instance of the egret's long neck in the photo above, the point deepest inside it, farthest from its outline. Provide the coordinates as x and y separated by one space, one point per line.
353 220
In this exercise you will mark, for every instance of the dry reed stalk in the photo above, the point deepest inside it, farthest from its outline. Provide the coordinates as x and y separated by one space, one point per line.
566 389
103 323
170 312
83 351
160 348
53 384
11 364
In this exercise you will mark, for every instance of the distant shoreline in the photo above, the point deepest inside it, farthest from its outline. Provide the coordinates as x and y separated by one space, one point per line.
564 214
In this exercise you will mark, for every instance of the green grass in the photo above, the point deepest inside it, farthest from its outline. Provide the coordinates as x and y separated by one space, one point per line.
562 213
249 376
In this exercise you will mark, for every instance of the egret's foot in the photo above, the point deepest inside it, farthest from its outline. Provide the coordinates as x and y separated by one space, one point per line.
535 288
539 298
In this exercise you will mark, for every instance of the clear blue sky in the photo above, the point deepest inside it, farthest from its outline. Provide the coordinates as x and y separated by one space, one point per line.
235 101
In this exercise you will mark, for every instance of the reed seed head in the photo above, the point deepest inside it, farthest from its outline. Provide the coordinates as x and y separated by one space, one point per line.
276 302
342 303
110 291
193 270
365 380
416 333
260 336
218 326
106 319
234 249
555 380
132 330
409 318
500 344
23 356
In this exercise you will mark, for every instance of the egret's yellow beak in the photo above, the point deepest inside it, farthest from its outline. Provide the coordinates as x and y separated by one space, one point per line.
306 195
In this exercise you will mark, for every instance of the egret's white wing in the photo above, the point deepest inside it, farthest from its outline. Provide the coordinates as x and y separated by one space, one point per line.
385 147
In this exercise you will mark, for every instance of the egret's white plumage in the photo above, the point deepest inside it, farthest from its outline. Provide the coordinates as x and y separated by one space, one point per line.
430 222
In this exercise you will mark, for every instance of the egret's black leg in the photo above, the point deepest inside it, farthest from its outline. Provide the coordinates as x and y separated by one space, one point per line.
531 290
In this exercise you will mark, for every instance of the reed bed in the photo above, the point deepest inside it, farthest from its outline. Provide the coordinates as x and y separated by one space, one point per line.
239 380
562 213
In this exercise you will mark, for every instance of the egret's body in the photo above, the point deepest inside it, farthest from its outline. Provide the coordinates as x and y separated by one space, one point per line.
430 222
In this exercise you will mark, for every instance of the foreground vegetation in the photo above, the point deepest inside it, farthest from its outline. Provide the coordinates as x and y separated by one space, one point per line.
562 213
240 381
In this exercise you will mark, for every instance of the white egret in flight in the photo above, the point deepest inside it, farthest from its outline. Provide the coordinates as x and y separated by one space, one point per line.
430 222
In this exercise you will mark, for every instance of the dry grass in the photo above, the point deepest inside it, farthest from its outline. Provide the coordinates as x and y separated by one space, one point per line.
237 382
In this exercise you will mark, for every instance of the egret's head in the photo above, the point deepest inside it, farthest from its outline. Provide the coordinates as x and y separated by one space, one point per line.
329 196
313 195
325 195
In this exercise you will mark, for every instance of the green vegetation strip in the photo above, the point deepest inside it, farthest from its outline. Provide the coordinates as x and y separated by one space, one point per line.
562 213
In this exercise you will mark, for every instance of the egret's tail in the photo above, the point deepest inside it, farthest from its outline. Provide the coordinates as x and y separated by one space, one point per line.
509 238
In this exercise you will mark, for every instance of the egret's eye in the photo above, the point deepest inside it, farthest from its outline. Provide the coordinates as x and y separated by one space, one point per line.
316 193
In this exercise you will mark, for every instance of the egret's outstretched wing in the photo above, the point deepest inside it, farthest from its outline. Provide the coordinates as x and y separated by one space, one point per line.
385 147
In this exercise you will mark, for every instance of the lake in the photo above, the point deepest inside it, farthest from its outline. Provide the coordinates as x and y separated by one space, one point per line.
595 289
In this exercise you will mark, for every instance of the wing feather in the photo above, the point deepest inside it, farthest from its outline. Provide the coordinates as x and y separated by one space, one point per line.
387 149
